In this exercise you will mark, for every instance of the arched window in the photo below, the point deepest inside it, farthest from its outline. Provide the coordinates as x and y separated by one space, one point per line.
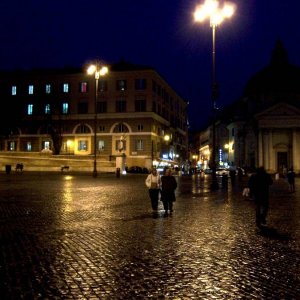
46 129
82 128
121 128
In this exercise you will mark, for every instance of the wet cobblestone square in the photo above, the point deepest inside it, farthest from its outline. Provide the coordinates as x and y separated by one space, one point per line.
66 236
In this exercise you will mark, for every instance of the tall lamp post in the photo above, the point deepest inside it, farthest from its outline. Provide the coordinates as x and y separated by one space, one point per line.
167 139
97 71
210 10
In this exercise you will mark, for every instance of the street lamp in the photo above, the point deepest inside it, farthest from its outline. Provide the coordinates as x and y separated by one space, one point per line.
216 15
167 138
97 71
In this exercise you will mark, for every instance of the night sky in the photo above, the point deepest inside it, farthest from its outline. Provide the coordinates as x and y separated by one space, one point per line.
158 33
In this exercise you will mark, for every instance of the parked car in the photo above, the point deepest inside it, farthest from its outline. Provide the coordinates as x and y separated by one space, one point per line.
222 171
137 169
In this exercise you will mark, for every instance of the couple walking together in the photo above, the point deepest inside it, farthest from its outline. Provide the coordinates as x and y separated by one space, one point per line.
166 185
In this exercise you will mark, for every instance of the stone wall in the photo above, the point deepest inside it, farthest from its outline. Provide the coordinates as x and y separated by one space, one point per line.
48 162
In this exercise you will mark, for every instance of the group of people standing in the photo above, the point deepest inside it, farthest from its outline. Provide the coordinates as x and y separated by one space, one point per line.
162 187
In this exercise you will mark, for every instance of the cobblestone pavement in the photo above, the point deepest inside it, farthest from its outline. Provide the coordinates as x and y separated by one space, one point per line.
77 237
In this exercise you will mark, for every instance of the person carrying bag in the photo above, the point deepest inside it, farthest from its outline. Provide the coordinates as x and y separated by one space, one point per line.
153 183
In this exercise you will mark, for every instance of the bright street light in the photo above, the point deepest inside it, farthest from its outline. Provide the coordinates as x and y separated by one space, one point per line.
97 71
167 138
212 11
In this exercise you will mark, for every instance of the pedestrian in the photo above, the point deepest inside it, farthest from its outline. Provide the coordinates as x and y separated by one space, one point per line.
291 179
168 187
240 173
259 184
232 174
153 183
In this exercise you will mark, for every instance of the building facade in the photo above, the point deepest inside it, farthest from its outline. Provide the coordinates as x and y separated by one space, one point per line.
263 126
60 111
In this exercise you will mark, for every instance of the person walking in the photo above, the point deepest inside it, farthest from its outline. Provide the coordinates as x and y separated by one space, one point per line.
291 179
153 183
259 184
168 187
232 175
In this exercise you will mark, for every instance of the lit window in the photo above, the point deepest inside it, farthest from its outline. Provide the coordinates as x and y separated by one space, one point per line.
83 87
82 145
65 108
66 88
48 88
14 90
12 146
47 109
28 146
30 89
101 145
139 145
30 109
46 145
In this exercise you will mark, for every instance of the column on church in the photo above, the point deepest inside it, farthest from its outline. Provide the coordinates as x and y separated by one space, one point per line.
260 148
267 149
271 160
296 149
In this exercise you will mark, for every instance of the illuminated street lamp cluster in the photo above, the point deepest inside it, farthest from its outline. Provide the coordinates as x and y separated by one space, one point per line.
94 69
211 10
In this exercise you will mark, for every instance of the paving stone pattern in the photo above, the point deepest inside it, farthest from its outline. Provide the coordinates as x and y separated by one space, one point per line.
66 236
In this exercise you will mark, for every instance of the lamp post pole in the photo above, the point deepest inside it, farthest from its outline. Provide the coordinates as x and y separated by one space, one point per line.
214 96
211 10
152 154
97 72
95 173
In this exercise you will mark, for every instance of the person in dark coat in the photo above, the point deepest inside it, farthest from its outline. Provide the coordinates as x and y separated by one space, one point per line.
232 172
168 187
259 184
291 179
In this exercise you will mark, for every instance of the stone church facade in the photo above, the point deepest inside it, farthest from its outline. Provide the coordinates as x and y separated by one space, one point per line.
263 126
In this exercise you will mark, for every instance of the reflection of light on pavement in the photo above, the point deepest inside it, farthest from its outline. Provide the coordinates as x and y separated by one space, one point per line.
67 195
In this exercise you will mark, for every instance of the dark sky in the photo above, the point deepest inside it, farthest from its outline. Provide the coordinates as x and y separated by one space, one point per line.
158 33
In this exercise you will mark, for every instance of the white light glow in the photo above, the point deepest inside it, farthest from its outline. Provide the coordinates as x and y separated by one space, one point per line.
103 71
91 69
211 10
